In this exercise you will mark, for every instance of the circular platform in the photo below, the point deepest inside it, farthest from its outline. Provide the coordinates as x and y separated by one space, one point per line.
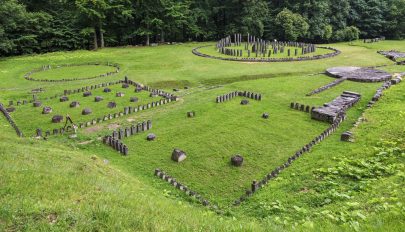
359 74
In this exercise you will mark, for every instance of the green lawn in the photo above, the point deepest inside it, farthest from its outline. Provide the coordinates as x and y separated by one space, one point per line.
71 72
99 109
86 185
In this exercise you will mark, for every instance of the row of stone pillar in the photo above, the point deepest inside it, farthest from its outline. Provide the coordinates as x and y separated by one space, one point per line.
116 144
301 107
231 95
164 176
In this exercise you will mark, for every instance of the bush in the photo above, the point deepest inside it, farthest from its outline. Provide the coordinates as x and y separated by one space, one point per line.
347 34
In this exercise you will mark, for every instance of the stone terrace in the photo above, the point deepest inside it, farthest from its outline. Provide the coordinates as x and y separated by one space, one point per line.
330 111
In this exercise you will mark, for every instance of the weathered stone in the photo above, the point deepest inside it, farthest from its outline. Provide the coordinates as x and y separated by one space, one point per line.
98 99
10 109
57 118
149 124
125 85
39 132
346 136
87 94
74 104
63 99
178 155
107 90
86 111
47 110
191 114
237 160
244 102
151 137
330 111
119 94
265 115
133 99
359 74
111 105
37 104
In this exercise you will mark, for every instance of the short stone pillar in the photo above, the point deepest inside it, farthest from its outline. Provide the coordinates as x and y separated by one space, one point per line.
237 160
178 155
346 136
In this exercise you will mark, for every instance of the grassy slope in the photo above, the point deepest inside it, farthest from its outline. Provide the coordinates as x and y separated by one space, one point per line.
190 70
45 186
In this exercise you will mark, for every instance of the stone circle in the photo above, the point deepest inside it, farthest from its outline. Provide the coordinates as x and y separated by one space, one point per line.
359 74
248 48
28 76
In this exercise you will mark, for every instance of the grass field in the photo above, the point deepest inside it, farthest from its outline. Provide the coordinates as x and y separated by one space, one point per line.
81 184
79 72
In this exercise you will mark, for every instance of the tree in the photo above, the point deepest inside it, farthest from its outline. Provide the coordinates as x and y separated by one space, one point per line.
21 31
396 19
95 12
347 34
291 26
369 16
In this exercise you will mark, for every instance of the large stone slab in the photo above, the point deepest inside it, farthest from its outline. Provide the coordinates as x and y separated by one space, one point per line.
359 74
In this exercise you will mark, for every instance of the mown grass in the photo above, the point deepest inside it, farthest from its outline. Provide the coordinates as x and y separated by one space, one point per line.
71 72
99 109
69 178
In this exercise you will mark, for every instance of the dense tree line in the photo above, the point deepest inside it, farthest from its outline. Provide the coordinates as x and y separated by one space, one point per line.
34 26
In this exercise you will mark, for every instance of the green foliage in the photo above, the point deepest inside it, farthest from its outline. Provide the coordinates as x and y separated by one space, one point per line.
291 25
46 25
347 34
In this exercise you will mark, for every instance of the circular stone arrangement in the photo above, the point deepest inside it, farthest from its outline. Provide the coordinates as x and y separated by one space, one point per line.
252 49
359 74
28 76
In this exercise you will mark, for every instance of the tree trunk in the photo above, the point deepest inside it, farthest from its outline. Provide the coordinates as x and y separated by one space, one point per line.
101 35
147 39
147 35
95 39
162 36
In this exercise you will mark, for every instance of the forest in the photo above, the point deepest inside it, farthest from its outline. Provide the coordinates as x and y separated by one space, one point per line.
38 26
